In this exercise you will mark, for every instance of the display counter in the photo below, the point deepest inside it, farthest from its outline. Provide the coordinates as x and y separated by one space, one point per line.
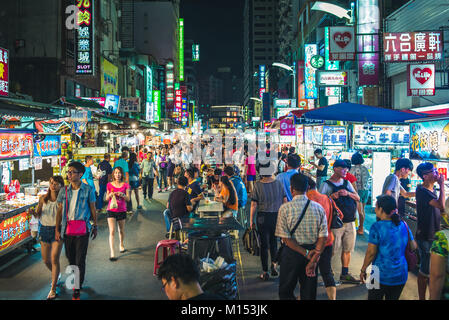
15 228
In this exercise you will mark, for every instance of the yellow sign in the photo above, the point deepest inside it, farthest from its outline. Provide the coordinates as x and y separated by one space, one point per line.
109 78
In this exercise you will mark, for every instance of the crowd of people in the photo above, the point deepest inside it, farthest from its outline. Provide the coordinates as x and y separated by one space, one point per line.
313 216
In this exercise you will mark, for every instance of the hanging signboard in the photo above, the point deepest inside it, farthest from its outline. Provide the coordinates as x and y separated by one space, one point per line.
308 134
300 134
14 230
4 72
413 46
429 140
334 135
280 112
54 162
15 145
317 135
38 163
284 103
112 103
311 91
84 38
129 105
109 76
24 164
157 105
50 146
329 78
341 43
287 127
421 80
100 100
381 135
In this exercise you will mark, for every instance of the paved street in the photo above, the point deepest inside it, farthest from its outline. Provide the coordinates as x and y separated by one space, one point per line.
131 277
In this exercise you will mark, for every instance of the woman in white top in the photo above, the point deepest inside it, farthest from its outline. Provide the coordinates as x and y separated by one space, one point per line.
50 248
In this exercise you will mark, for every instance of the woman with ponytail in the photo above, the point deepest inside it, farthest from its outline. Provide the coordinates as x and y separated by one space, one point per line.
388 239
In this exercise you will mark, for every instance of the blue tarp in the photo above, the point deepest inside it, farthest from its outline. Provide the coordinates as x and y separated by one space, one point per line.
354 112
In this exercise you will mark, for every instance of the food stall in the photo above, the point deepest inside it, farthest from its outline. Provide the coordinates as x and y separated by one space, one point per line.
16 150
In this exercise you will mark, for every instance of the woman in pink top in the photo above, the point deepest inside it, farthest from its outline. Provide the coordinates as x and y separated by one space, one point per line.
250 172
121 191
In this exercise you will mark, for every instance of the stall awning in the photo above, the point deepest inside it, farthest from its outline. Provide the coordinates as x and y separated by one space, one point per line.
86 104
108 119
25 108
354 112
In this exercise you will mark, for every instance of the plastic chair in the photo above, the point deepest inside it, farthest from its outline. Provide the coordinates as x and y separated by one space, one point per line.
165 245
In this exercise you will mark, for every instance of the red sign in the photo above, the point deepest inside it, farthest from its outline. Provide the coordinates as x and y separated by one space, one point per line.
421 80
341 43
15 145
413 46
14 230
178 105
4 72
287 127
443 171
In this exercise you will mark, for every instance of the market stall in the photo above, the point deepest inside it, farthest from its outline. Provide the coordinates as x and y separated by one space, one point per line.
16 151
47 156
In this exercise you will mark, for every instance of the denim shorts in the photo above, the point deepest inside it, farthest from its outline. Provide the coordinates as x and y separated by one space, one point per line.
47 234
250 178
424 254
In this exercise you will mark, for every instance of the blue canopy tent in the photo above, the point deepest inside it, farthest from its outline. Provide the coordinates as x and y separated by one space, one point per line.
354 112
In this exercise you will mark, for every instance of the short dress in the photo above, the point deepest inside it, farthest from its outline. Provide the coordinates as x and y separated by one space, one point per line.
118 213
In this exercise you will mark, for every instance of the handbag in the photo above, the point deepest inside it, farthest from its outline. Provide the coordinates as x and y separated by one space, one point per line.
74 227
410 255
336 222
281 248
113 204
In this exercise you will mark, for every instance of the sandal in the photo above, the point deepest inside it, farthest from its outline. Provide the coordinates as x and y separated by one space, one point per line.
52 295
264 276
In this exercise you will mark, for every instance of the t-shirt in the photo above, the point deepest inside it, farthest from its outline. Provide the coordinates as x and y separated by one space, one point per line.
350 177
194 190
269 196
106 169
391 241
284 178
393 184
328 206
250 161
361 173
225 194
178 201
89 177
441 247
72 204
120 201
327 189
322 173
206 296
429 217
122 163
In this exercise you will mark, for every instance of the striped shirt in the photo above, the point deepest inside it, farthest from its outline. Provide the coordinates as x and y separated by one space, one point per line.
269 196
312 226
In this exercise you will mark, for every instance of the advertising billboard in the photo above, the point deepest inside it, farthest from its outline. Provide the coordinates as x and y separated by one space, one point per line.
311 91
109 76
413 46
129 105
14 230
15 145
381 135
334 135
421 80
287 127
329 78
100 100
50 146
84 38
341 43
429 140
112 103
4 72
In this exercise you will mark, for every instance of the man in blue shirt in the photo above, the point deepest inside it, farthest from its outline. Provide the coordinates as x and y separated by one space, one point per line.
293 164
193 188
88 177
76 202
240 189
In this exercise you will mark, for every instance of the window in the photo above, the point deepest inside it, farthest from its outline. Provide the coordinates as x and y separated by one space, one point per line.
260 25
259 33
259 49
259 41
259 8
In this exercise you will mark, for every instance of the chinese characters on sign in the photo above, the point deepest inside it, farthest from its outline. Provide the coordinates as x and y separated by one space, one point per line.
129 105
333 135
332 78
178 105
413 46
287 127
381 135
341 43
15 145
4 72
429 140
181 49
84 37
157 105
311 91
421 80
14 229
50 146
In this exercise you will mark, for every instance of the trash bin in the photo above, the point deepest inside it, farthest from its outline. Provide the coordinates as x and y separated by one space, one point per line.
201 245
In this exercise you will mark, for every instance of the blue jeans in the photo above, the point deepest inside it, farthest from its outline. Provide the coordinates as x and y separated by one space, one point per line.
100 202
162 178
424 253
167 219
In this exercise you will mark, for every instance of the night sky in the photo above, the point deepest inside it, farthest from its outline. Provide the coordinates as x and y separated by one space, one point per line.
218 27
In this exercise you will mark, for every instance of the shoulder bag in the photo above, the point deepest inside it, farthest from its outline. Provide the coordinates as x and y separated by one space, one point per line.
336 222
410 255
279 254
74 227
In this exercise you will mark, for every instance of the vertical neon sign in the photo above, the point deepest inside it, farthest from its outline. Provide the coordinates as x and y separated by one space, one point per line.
181 49
311 91
84 38
157 105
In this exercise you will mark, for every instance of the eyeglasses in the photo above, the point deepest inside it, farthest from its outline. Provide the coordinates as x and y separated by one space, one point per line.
163 286
72 172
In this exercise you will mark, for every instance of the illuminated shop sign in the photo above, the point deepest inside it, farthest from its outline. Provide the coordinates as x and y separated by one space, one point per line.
262 76
195 52
341 43
181 49
413 46
84 38
311 91
157 105
178 105
170 81
429 140
332 78
4 72
421 80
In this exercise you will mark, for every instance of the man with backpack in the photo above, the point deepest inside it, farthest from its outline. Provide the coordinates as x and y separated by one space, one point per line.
345 197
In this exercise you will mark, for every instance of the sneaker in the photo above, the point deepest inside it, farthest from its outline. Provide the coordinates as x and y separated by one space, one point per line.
273 272
349 279
160 190
76 294
139 207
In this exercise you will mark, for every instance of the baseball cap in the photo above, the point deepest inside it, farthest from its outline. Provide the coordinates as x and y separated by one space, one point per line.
340 163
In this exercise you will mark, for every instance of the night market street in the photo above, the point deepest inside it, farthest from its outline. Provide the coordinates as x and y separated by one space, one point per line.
133 272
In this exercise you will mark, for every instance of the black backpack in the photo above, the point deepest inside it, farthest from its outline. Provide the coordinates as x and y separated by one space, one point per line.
251 242
347 205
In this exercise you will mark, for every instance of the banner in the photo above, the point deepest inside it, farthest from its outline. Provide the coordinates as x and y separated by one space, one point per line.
429 140
50 146
109 77
15 145
13 230
129 105
4 72
421 80
341 43
413 46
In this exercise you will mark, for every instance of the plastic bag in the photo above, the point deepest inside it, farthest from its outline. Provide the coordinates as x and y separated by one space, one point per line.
114 204
221 282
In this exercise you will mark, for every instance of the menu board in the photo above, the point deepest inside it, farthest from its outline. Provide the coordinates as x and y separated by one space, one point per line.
430 140
50 146
308 134
317 135
381 135
300 134
15 145
334 135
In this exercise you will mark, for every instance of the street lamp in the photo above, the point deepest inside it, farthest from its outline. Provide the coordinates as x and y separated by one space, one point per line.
332 8
292 70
